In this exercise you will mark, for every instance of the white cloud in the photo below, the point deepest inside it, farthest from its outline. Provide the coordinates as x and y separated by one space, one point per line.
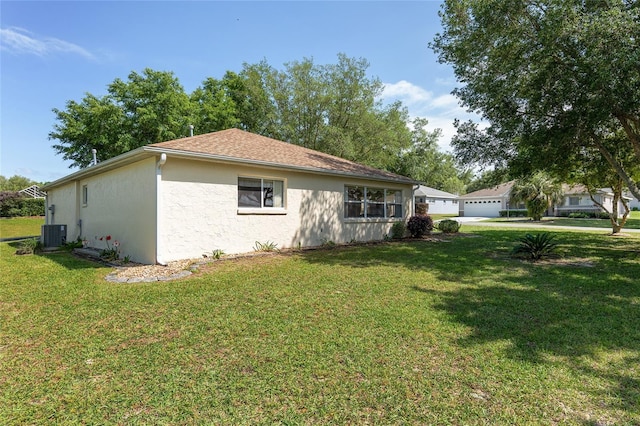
447 101
440 109
406 92
21 41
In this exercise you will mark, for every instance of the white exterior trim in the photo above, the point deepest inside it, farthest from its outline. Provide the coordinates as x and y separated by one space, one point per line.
159 164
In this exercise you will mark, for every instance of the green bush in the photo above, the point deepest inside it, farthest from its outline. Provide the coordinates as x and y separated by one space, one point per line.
587 215
418 226
577 215
398 230
449 226
69 246
29 246
536 208
513 213
536 246
13 204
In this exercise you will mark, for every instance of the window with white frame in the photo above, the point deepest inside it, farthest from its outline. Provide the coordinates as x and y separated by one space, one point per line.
574 201
366 202
260 193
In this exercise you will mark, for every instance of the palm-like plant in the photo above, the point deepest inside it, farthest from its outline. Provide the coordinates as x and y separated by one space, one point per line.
538 192
536 246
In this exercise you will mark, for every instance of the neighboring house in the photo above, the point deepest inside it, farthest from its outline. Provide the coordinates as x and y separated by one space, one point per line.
577 200
486 202
439 202
489 202
33 192
226 190
634 202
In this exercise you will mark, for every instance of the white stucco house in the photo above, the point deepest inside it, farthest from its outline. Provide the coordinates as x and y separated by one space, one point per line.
225 190
576 199
486 202
439 202
634 203
489 202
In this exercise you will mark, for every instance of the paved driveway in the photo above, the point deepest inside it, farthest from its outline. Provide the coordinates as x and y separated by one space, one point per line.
467 219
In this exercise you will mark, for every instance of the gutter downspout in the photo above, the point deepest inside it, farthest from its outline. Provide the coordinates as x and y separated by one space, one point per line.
159 164
413 199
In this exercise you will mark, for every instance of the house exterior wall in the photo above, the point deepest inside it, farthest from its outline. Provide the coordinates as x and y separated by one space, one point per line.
64 200
576 203
120 203
439 205
482 207
199 210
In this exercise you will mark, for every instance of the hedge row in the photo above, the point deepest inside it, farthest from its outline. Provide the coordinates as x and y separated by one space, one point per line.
13 204
514 213
584 215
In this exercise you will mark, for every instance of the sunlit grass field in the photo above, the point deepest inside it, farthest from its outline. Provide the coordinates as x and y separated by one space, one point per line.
452 331
633 221
20 226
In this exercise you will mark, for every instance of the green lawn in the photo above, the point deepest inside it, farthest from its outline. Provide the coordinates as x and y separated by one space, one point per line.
442 216
404 333
633 221
20 226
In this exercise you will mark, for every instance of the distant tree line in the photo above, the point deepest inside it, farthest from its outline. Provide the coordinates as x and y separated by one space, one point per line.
13 203
333 108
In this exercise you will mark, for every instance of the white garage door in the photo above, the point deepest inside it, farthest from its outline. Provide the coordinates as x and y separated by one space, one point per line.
484 208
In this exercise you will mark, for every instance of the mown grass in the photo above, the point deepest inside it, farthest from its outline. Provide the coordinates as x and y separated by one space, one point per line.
633 221
20 226
429 332
438 216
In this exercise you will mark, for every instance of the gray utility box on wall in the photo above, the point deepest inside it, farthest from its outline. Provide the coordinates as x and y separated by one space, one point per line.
54 235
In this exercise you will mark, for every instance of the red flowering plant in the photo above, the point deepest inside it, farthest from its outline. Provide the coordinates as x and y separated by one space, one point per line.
110 253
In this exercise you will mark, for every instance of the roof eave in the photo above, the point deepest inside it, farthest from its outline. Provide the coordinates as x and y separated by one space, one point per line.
234 160
145 151
110 164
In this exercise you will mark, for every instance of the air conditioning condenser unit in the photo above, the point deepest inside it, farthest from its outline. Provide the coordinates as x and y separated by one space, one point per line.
54 235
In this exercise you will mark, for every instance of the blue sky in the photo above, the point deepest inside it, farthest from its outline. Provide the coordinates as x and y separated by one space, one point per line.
52 52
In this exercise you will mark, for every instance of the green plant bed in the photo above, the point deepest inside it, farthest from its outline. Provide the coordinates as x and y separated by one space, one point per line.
419 332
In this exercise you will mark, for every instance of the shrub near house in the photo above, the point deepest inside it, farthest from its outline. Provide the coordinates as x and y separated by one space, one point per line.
14 204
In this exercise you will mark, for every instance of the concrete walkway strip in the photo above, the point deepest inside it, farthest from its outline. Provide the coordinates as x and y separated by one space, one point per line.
4 240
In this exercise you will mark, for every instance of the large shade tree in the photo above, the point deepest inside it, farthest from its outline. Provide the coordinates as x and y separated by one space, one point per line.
424 161
551 78
594 172
332 108
147 108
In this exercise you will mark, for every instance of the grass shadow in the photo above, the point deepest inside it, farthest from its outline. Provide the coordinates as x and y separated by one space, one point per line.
554 312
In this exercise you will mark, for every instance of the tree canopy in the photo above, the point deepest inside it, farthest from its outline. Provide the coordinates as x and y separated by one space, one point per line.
551 77
16 183
424 162
538 192
147 108
333 108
